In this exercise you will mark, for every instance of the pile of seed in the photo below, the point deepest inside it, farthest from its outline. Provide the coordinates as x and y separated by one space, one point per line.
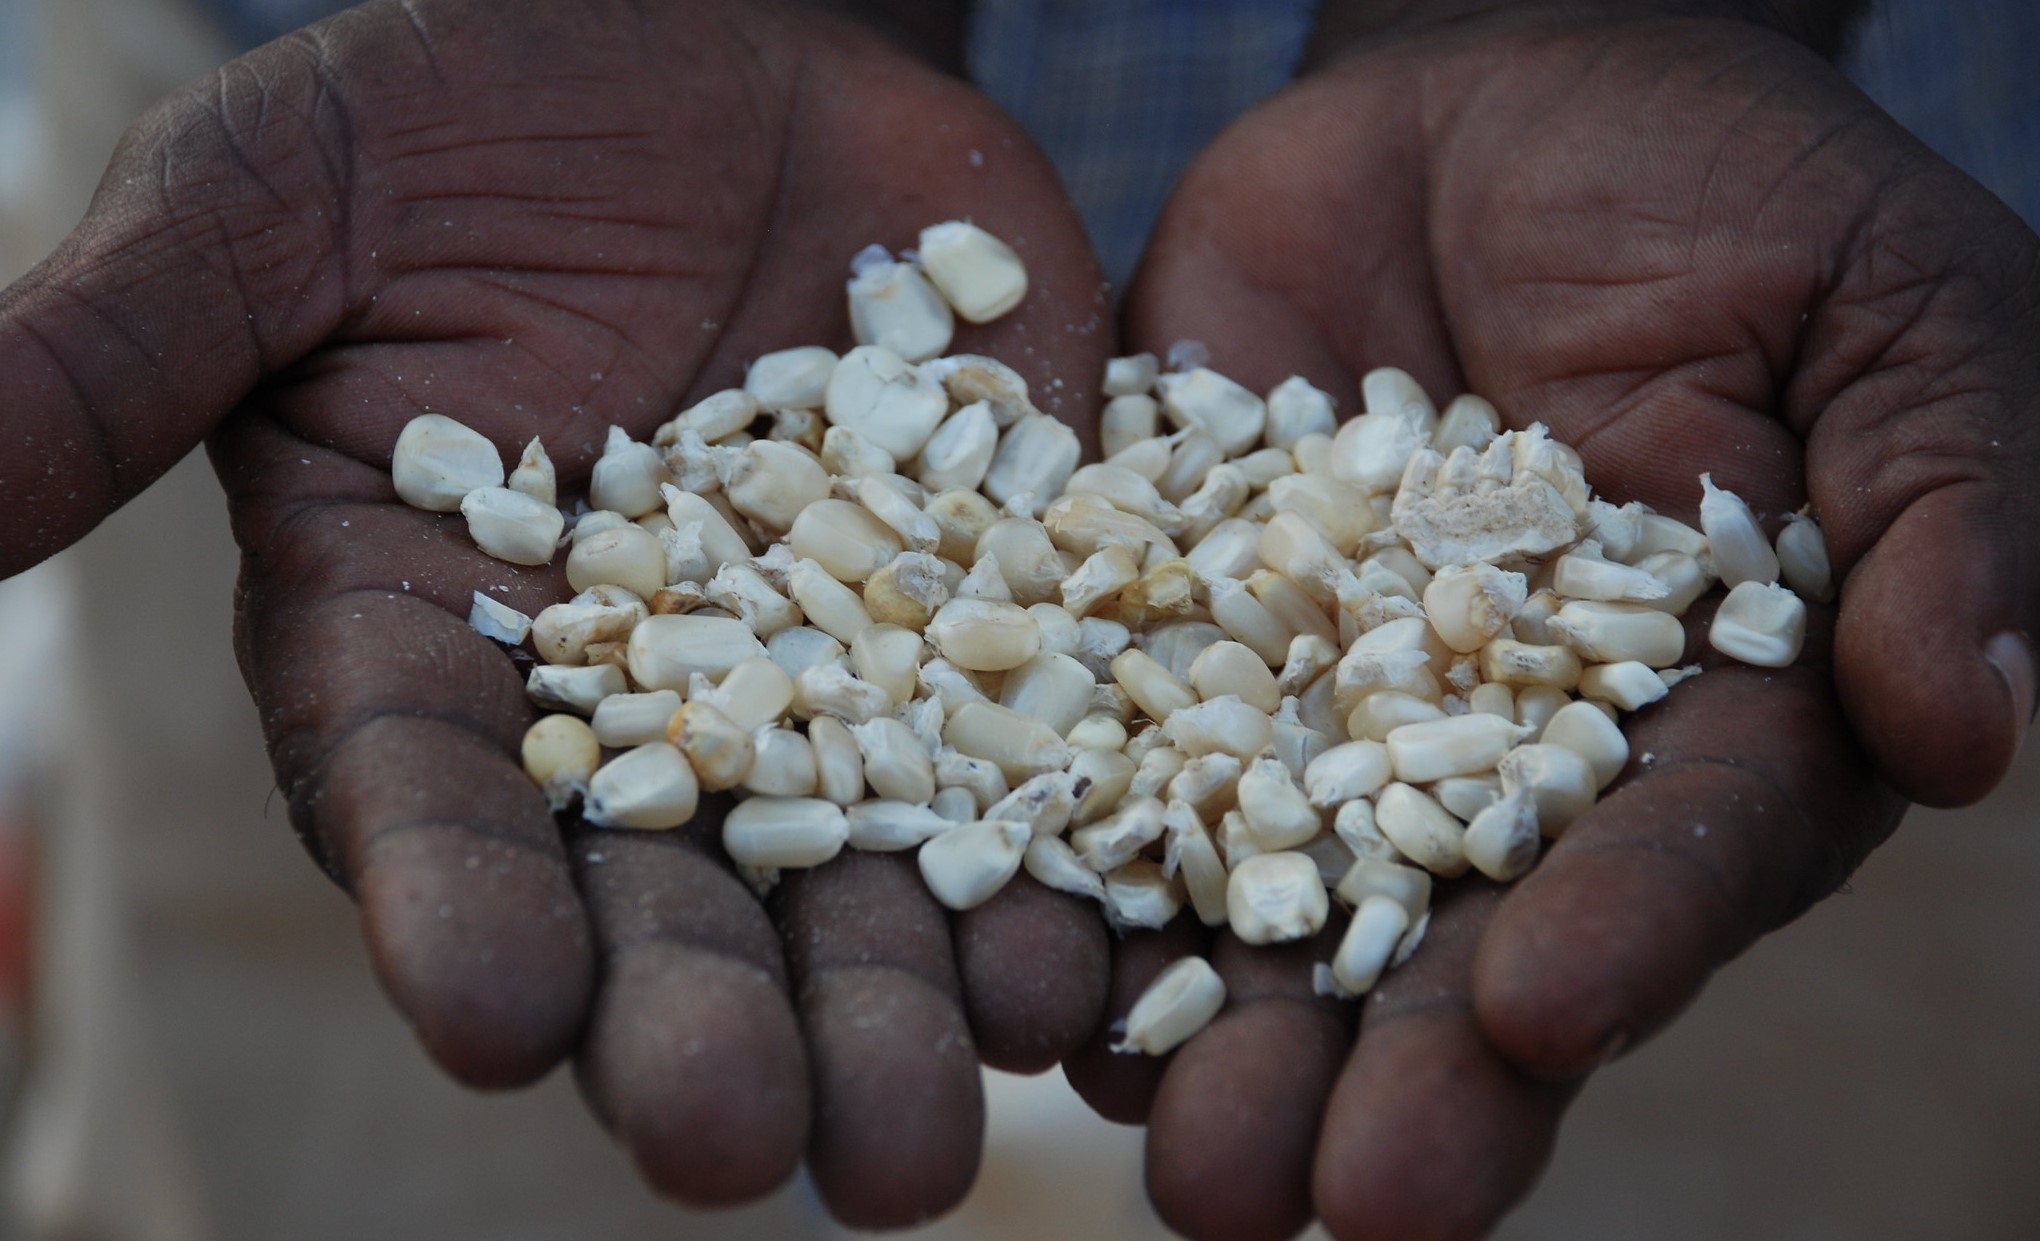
1248 665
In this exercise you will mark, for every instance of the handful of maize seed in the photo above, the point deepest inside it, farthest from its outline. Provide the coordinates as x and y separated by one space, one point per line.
1251 664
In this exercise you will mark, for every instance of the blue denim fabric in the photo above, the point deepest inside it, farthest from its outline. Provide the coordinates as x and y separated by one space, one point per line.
1123 93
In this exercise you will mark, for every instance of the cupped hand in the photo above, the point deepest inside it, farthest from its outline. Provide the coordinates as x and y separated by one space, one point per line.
542 220
1685 245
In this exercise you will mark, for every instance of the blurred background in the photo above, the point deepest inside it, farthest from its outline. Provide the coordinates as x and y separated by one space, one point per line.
192 1047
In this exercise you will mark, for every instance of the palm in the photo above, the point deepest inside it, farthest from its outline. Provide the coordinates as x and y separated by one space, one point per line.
1685 247
543 221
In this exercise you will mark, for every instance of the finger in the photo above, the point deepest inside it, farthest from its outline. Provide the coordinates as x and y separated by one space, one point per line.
1276 256
1035 969
851 182
1429 1135
1117 1085
1922 453
1234 1125
898 1104
207 259
394 730
1745 802
693 1055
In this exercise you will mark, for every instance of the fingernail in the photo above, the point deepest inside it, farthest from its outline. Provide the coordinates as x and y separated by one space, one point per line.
2012 655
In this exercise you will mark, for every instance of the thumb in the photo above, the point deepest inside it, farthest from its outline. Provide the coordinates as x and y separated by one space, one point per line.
208 258
1922 461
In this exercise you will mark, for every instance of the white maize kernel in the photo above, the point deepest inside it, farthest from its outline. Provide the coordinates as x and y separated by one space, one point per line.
1355 825
715 746
628 556
1630 685
831 689
1052 862
1468 422
791 378
1467 796
830 606
1502 840
892 404
839 764
1421 829
1133 375
667 650
1277 813
984 635
1021 747
1373 876
512 526
956 806
1455 746
843 539
626 477
625 720
891 826
783 764
784 832
1189 853
1469 605
1209 783
1523 665
437 462
499 621
1223 668
985 783
1181 1000
1591 735
960 452
1803 559
1345 772
1378 925
895 765
1195 455
648 787
534 475
1222 725
1392 390
1138 896
1035 458
1584 573
1274 898
966 866
1054 689
975 272
1735 542
1559 782
1385 710
560 754
1759 624
577 689
1118 838
772 483
1619 632
894 307
720 542
1129 420
1296 409
1207 401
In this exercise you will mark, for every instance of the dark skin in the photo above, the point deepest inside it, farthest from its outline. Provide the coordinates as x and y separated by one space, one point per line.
544 222
1684 245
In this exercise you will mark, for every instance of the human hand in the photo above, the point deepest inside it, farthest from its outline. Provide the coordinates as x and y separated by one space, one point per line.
1686 245
542 220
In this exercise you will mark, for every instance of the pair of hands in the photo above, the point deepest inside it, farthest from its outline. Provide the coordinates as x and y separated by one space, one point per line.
1685 244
